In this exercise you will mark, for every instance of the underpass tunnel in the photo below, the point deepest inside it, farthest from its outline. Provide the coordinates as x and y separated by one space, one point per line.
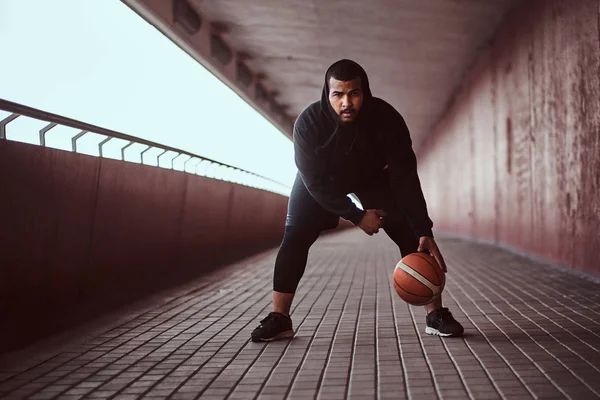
501 99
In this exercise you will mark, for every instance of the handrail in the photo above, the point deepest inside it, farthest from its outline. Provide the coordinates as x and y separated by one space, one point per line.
17 110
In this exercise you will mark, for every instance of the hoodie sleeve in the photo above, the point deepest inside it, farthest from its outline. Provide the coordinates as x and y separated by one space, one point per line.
405 182
310 169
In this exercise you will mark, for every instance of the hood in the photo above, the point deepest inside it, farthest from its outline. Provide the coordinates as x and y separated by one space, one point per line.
353 128
367 96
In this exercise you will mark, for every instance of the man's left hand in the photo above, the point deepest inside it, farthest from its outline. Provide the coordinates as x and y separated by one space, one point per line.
427 243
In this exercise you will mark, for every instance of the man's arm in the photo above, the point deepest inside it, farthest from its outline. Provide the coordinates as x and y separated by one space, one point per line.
310 169
406 185
405 182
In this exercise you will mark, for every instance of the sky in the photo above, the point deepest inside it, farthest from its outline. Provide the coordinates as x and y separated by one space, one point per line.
100 63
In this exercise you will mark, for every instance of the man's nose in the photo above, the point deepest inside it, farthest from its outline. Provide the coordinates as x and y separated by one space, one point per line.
346 102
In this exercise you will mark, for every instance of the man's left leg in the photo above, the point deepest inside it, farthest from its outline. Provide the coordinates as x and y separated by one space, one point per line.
439 320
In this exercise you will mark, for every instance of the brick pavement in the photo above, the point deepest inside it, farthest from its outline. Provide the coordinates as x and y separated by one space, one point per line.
532 331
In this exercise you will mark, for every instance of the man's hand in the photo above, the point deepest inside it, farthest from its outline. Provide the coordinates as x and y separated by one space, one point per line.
427 243
372 221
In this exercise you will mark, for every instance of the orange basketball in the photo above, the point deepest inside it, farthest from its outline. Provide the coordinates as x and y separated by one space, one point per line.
418 279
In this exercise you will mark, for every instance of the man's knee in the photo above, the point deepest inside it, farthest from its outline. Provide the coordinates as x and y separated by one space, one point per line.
292 256
401 232
299 236
311 223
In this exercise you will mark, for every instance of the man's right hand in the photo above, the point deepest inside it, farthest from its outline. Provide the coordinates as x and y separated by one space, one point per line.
372 221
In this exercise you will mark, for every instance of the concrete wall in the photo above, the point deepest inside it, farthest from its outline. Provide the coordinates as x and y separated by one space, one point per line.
76 229
516 158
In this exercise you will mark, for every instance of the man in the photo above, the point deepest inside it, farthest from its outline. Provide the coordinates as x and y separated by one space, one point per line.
351 142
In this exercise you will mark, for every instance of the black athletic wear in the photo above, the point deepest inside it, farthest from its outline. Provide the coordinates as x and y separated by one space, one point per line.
275 326
442 323
335 158
307 219
371 157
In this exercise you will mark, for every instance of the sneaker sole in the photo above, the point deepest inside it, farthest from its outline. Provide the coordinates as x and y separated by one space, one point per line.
433 331
282 335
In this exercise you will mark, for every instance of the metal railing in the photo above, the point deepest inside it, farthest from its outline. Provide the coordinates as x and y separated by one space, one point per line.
199 165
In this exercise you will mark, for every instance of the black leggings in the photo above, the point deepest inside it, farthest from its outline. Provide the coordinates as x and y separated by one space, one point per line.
306 220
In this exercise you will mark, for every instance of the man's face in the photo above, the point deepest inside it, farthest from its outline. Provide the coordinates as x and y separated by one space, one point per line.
346 98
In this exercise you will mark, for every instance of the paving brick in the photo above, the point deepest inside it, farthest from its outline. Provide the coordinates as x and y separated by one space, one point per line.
527 332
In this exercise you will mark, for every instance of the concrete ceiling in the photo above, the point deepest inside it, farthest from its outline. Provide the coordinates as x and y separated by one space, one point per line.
414 51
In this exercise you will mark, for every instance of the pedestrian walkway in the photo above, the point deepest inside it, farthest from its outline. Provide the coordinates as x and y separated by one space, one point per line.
532 331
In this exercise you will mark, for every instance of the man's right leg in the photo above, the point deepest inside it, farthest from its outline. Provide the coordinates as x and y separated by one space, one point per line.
290 265
289 268
305 221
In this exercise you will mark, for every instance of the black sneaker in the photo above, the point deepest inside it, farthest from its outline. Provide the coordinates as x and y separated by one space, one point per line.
274 326
442 323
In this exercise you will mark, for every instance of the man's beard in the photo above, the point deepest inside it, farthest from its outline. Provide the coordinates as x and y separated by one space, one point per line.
346 122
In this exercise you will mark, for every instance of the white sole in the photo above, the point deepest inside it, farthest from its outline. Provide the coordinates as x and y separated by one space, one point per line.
432 331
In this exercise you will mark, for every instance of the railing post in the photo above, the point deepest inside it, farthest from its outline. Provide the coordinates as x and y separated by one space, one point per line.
123 150
158 158
43 132
173 160
142 154
5 122
102 143
74 140
185 163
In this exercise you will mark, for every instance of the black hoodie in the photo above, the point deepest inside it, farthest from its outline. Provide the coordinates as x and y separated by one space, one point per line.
335 159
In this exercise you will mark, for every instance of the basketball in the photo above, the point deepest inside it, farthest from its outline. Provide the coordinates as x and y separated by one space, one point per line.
418 279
